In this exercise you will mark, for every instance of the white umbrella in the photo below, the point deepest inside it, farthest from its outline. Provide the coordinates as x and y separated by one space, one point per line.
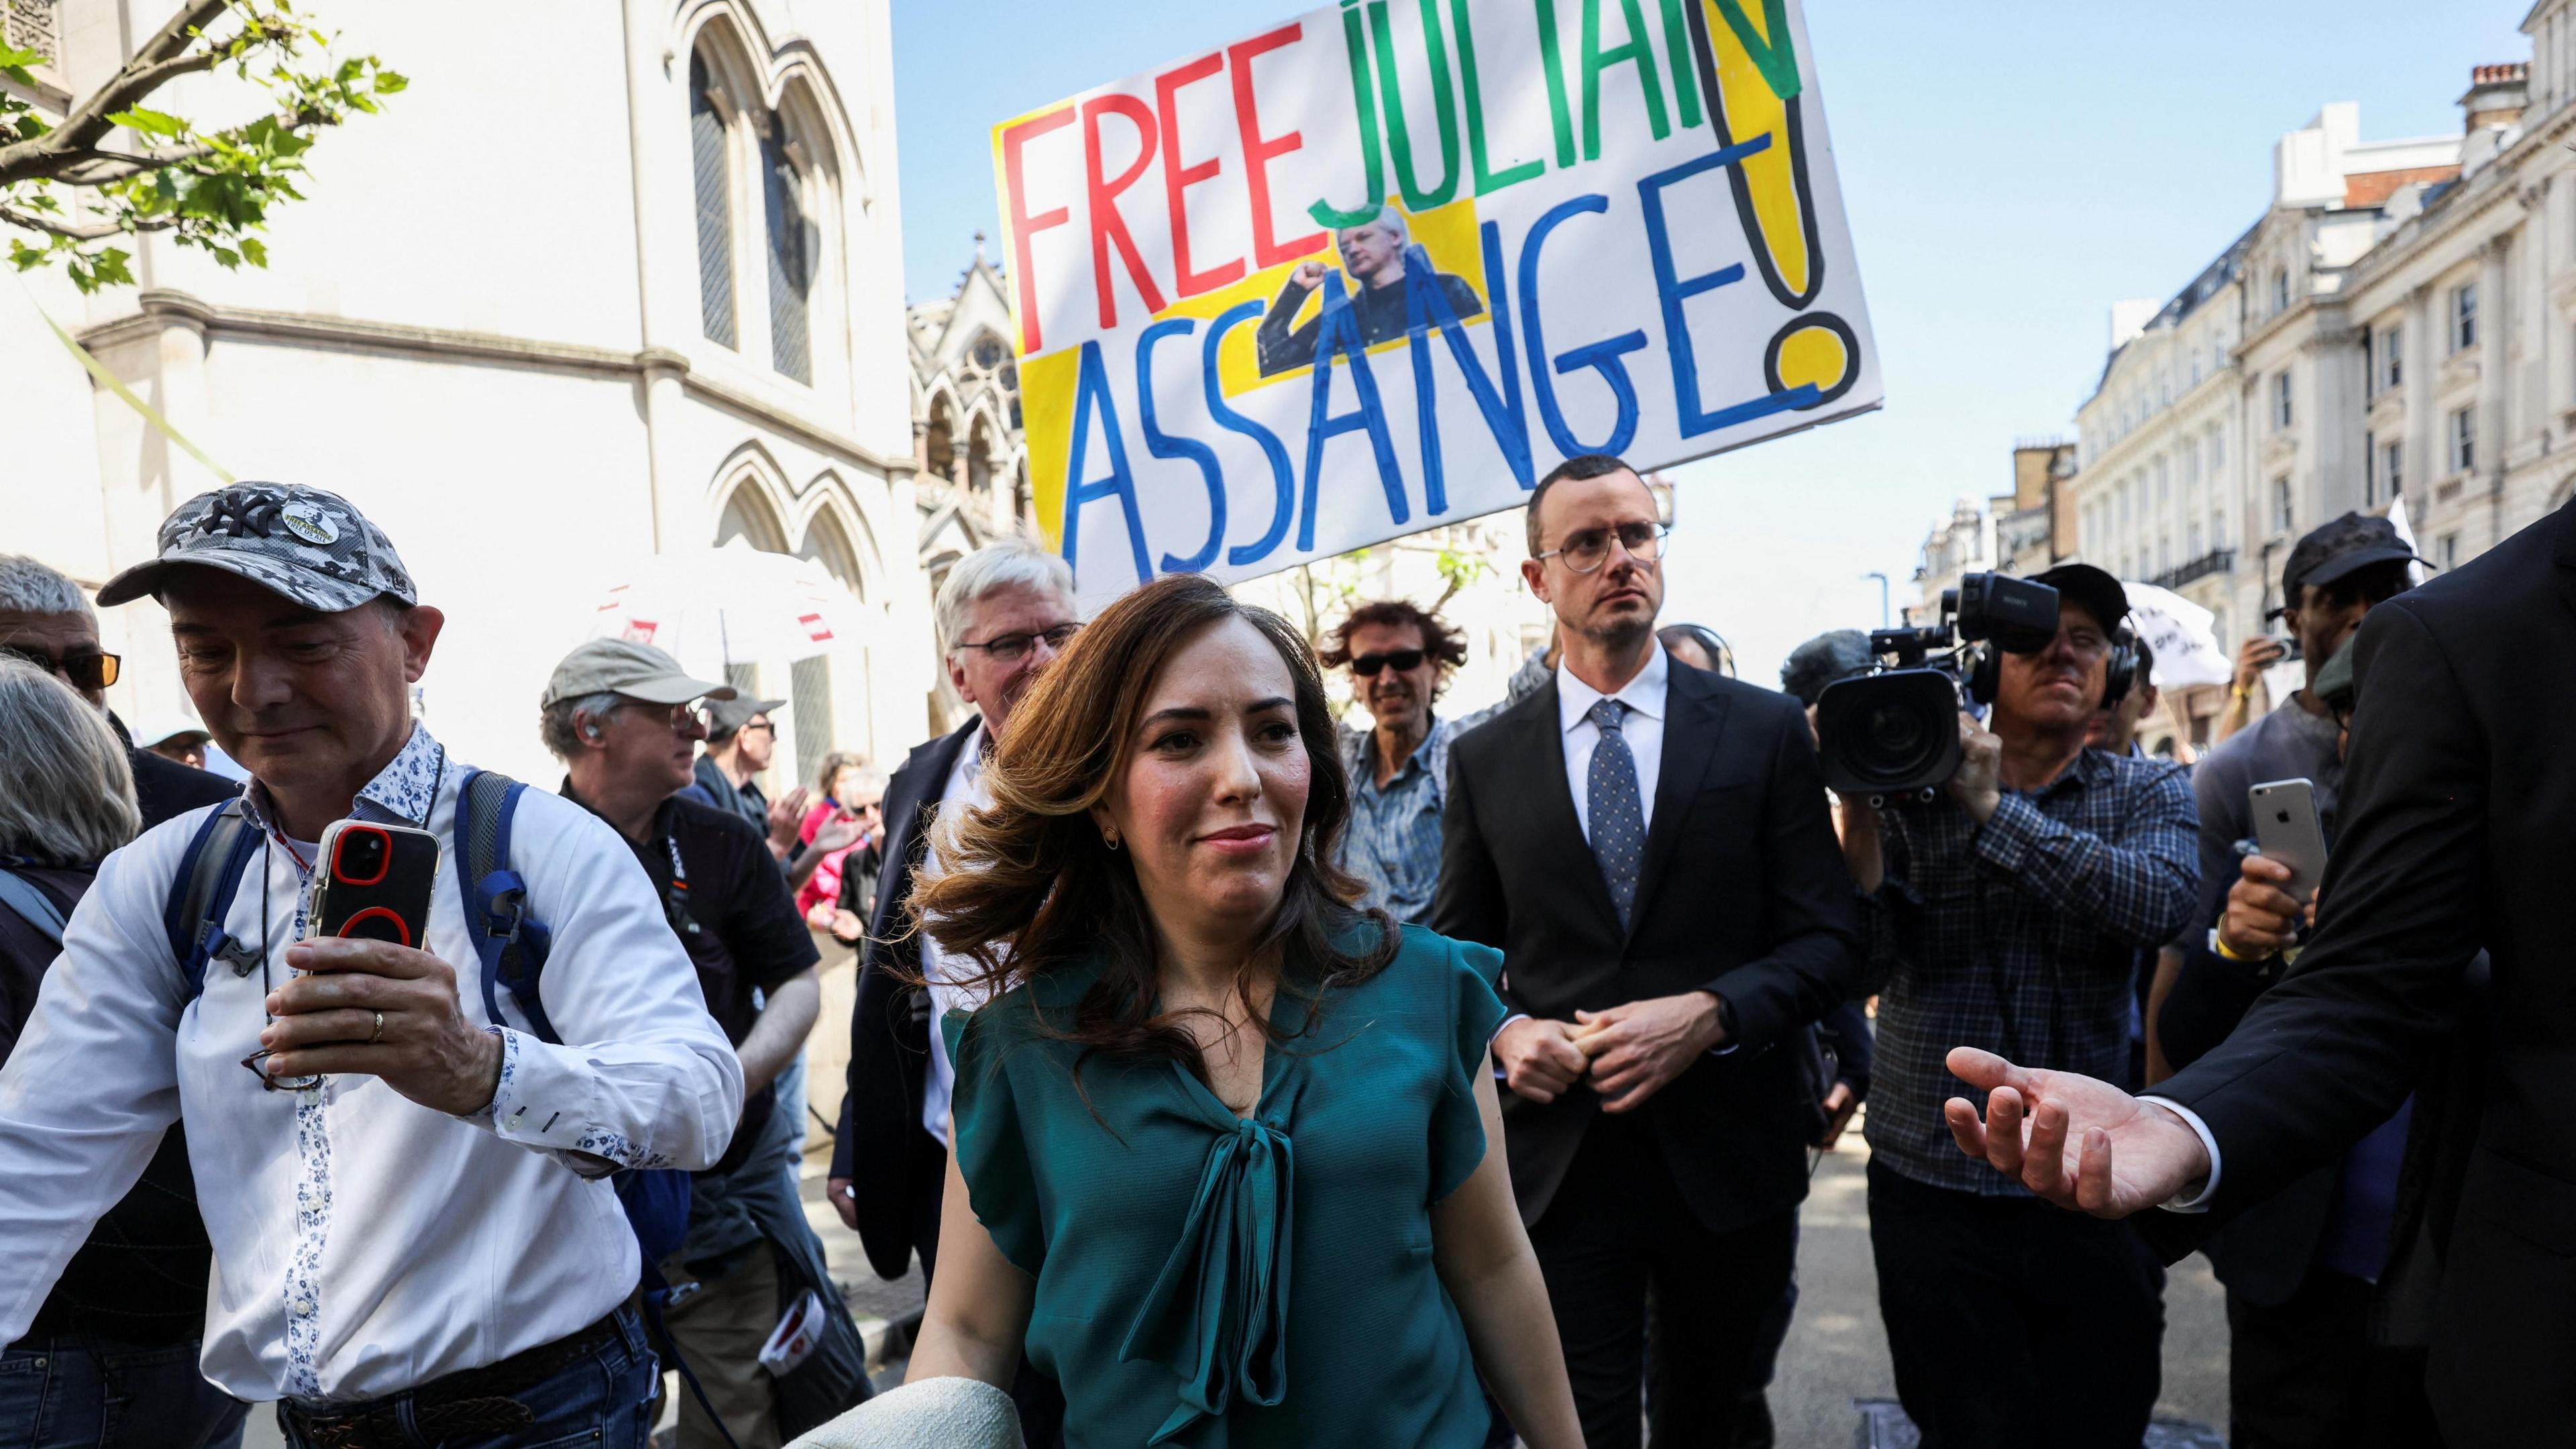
710 607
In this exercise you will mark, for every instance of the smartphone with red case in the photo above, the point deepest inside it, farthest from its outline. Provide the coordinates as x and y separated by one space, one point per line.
374 882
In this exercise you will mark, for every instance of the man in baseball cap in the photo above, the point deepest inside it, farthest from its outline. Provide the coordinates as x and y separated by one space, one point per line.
364 1305
622 718
2334 575
741 741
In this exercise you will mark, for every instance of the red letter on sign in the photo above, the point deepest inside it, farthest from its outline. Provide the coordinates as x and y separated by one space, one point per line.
1178 178
1023 224
1108 228
1258 153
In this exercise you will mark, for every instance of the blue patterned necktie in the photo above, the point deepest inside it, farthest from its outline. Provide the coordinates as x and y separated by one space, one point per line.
1618 818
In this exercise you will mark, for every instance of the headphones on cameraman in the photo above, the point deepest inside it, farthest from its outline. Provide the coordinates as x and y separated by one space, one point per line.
1985 677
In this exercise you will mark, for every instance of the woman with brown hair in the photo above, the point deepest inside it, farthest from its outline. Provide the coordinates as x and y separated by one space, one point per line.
1222 1137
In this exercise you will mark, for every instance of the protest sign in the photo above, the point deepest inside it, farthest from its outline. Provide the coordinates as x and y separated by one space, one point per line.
1379 268
2179 634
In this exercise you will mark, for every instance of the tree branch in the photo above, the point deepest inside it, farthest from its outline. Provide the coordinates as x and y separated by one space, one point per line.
162 59
81 231
101 167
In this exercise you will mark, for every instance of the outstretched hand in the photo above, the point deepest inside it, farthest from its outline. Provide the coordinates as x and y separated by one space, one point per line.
2078 1142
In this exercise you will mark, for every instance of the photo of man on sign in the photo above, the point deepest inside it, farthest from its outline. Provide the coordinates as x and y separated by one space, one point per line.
1376 254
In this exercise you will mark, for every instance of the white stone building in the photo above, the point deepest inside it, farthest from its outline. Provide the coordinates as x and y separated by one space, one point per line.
2227 420
638 290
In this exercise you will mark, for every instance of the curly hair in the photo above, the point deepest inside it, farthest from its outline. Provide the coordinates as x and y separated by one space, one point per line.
1440 638
1028 888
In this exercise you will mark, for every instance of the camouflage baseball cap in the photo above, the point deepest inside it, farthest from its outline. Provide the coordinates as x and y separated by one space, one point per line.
308 545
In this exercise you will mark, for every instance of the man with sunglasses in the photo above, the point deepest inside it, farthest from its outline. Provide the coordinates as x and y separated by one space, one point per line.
625 718
1400 655
1003 612
45 620
1648 845
405 1181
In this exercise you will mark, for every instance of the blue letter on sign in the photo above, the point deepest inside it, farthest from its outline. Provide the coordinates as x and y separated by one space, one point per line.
1601 357
1340 334
1674 291
1093 391
1425 307
1283 479
1163 445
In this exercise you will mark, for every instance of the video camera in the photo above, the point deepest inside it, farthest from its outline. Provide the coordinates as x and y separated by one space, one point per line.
1894 731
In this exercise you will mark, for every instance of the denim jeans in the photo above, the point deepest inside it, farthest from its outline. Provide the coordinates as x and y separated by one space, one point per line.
113 1395
604 1401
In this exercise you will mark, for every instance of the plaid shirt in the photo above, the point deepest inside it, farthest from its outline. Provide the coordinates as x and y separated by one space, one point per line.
2020 936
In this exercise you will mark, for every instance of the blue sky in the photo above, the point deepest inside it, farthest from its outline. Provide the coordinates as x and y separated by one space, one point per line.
2008 177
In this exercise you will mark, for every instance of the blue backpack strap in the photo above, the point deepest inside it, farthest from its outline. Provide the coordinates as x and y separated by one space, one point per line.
201 895
32 905
513 947
511 944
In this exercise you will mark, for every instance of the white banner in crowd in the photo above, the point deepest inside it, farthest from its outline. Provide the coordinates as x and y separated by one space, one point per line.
2181 635
1379 268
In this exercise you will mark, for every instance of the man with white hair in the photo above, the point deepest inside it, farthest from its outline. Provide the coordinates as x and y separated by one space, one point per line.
415 1237
1003 612
45 620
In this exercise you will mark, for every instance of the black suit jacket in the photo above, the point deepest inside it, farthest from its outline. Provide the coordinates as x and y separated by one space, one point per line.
2262 1254
890 1026
2457 831
1742 892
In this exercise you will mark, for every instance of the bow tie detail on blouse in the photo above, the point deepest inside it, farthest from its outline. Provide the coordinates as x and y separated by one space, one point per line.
1217 1315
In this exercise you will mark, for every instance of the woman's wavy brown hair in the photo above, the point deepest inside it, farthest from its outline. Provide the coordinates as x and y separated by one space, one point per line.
1027 887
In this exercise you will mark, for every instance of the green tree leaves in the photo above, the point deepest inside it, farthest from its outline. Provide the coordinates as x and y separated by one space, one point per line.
72 189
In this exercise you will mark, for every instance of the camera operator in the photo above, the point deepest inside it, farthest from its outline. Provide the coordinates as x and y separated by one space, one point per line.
2012 910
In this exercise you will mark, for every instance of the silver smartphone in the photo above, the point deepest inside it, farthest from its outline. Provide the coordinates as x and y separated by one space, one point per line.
2286 830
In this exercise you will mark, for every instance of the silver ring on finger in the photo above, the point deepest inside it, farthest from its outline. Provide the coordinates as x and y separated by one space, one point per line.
379 1033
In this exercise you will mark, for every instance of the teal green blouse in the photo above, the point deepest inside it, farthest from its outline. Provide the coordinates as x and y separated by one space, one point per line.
1212 1281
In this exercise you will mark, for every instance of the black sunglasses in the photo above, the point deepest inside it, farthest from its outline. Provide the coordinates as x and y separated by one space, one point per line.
1401 660
82 671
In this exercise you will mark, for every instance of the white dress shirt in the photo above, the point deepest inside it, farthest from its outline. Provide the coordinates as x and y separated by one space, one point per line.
365 1243
2190 1199
963 791
1643 729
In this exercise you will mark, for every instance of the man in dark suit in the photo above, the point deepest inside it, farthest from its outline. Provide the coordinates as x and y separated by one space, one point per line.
1648 845
2457 793
1003 612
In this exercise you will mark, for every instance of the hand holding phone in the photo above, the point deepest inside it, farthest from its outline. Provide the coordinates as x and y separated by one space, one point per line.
2286 830
371 883
374 882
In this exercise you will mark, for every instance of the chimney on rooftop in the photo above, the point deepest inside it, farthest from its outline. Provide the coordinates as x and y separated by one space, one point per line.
2496 96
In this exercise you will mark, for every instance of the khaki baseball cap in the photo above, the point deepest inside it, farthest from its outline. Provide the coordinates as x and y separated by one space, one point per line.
622 666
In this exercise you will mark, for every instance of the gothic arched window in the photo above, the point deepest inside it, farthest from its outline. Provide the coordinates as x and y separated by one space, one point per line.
714 186
792 245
